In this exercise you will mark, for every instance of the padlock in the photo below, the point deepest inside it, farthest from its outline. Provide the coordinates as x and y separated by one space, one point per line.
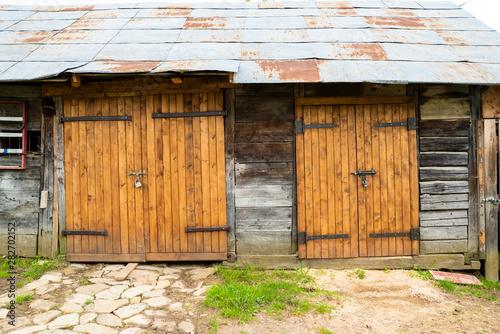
137 183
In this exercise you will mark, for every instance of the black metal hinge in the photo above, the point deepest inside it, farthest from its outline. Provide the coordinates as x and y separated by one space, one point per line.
411 124
414 234
207 229
303 238
190 114
84 232
300 126
95 118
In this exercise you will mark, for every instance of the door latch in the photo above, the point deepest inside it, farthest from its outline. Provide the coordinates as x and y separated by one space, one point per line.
363 173
492 200
137 176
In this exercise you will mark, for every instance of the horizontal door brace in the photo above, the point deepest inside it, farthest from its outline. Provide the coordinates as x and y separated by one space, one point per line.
414 234
411 124
207 229
190 114
84 232
95 118
303 238
300 126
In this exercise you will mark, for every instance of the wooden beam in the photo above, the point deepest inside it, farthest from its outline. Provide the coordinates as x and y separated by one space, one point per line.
76 79
186 256
86 257
125 271
491 102
229 127
473 230
60 178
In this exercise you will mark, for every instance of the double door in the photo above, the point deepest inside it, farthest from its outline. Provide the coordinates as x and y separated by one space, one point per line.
357 177
145 178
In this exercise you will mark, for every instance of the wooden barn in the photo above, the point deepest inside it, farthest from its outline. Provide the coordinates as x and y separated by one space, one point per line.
335 134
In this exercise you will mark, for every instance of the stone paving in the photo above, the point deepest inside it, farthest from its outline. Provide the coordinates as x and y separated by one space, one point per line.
81 299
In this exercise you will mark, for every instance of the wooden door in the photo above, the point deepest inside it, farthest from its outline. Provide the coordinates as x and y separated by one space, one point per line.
182 174
339 217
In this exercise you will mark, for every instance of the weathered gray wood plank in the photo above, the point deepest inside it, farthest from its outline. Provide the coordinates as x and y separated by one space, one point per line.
439 144
264 152
428 159
473 233
263 195
443 233
446 187
444 222
444 202
250 109
271 131
440 215
264 219
259 243
443 246
437 128
264 173
444 108
229 98
26 222
26 201
443 173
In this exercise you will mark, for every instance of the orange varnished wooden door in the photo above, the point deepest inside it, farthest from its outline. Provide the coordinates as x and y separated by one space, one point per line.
373 212
110 143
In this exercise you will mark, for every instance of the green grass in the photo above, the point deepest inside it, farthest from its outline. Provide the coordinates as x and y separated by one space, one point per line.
214 325
21 299
28 269
85 280
324 330
360 273
246 291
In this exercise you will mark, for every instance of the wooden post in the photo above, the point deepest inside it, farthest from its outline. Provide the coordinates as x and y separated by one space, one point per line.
229 101
490 191
481 204
59 181
473 229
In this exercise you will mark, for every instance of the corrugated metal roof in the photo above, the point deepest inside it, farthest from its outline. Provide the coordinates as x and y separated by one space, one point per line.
381 41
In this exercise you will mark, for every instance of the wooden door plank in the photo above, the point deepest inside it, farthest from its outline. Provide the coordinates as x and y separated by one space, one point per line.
101 223
115 178
405 172
139 200
123 178
159 175
151 169
131 189
205 172
214 217
188 140
145 192
362 191
198 189
167 181
346 175
398 182
414 196
353 182
221 171
315 192
309 200
383 174
70 160
301 207
329 177
106 180
371 189
83 140
91 178
181 154
337 176
375 143
323 182
391 212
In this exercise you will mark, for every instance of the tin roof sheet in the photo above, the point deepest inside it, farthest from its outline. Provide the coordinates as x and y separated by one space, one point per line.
383 41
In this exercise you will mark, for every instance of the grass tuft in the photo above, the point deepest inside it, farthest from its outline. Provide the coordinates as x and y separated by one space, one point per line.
29 269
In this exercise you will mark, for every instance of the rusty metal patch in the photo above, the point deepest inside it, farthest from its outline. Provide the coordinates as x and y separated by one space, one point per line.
470 37
198 65
334 22
210 35
338 12
83 36
96 24
266 5
355 51
385 12
178 6
334 4
396 22
110 14
23 37
117 67
407 36
174 12
455 24
214 23
78 8
277 71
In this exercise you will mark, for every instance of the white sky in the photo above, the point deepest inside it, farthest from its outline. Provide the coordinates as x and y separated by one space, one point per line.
487 11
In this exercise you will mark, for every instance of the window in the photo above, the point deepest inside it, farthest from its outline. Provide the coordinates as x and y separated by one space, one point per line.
13 134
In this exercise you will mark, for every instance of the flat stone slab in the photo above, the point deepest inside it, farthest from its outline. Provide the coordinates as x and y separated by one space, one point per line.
92 289
64 321
153 293
135 291
87 317
79 298
128 311
186 327
107 306
167 326
135 300
42 305
70 307
77 265
149 267
109 320
133 330
28 330
113 267
33 285
3 313
162 285
112 293
95 329
57 331
47 288
157 302
201 273
175 307
201 291
170 271
57 277
43 318
139 320
143 277
109 281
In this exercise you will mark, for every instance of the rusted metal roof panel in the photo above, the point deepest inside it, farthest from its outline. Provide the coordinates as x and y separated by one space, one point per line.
442 13
155 23
163 13
41 25
214 23
421 52
457 24
402 4
223 5
284 12
277 71
315 22
276 51
134 52
205 51
16 52
367 3
83 37
145 37
478 54
7 24
111 14
337 12
385 12
370 51
271 5
4 65
341 35
274 36
64 53
36 70
98 24
396 22
116 67
15 15
470 37
360 71
112 6
25 37
299 4
437 5
70 15
198 65
209 35
334 4
490 71
444 73
407 36
282 22
200 12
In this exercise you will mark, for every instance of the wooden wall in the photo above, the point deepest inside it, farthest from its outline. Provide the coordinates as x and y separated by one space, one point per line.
20 189
444 168
264 157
